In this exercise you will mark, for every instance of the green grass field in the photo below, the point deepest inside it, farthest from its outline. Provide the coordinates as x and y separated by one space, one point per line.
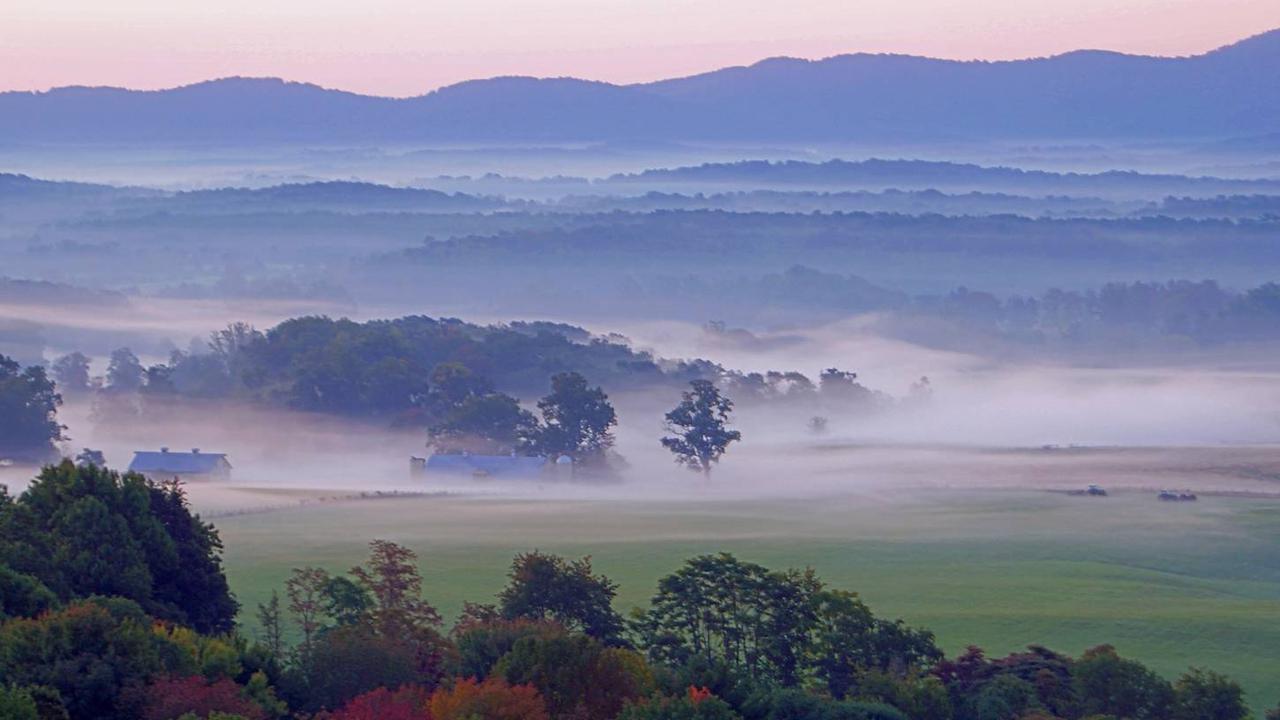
1171 584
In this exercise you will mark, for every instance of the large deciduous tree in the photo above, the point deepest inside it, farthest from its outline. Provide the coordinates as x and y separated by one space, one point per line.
488 424
124 371
1112 685
549 587
29 404
577 676
86 530
578 419
699 427
774 627
371 630
391 577
93 653
71 372
1207 695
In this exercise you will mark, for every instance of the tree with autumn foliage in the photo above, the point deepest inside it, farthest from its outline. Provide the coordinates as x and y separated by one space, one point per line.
391 577
409 702
371 630
491 699
92 653
169 697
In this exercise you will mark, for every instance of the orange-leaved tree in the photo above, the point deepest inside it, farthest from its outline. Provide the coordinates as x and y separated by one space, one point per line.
492 699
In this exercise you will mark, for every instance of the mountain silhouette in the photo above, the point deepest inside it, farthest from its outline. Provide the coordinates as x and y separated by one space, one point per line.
1233 91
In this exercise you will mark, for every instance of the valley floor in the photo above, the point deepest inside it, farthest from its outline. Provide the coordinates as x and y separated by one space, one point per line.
979 560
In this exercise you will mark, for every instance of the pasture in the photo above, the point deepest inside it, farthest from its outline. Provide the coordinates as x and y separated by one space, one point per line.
1168 583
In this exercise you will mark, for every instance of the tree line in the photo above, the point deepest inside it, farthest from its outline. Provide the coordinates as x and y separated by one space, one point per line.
114 606
412 370
385 370
1128 313
576 420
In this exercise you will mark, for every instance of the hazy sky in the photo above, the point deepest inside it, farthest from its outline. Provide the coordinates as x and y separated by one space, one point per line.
406 47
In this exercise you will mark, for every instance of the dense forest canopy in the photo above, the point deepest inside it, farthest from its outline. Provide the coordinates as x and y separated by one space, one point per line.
387 367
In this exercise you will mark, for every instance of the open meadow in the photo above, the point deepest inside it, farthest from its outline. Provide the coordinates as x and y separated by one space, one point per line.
995 566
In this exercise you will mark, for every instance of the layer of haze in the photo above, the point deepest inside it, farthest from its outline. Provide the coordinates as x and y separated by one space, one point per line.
1195 425
404 48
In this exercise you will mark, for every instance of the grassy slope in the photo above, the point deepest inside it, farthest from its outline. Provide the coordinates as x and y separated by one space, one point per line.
1169 584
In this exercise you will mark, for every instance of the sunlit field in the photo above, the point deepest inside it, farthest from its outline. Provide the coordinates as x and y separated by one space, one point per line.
1167 583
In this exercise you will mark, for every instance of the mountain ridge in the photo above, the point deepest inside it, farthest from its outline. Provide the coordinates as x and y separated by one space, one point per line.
1227 92
1247 42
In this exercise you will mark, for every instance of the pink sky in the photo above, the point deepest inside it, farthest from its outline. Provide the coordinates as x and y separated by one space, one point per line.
407 47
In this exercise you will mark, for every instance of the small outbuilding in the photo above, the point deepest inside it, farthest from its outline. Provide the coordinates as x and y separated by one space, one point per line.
194 465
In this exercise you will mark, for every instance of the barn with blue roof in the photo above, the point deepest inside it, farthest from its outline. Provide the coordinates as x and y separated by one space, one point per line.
496 466
195 465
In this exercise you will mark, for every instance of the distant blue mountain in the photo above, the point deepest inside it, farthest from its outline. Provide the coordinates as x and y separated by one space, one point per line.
1230 92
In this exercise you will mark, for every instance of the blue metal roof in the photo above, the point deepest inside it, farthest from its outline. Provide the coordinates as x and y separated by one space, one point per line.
495 465
177 463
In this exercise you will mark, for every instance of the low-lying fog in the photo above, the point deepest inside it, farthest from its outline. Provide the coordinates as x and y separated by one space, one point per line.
987 424
213 165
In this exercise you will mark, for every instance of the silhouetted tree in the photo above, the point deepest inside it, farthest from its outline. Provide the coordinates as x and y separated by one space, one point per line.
231 347
89 456
124 371
158 380
700 424
577 419
29 405
71 372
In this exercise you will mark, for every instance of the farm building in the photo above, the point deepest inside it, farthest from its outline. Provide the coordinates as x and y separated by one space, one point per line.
195 465
491 466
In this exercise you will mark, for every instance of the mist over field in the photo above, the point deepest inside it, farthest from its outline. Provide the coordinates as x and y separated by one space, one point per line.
994 345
